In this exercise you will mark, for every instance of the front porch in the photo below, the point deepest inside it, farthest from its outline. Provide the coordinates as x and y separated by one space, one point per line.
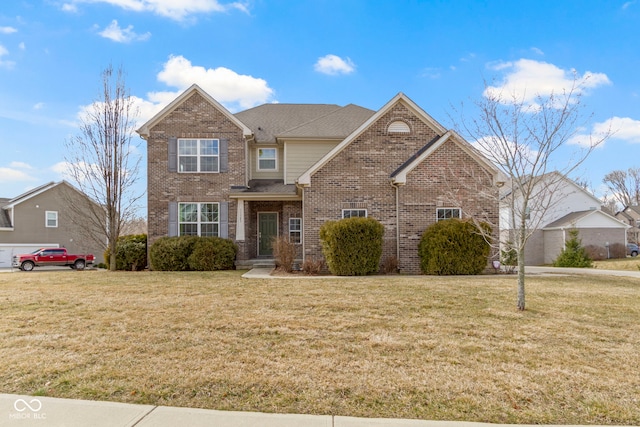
266 210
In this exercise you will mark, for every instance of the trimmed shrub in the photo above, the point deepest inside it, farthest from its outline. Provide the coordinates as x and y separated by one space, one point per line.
352 246
212 253
284 253
453 247
573 254
172 253
131 253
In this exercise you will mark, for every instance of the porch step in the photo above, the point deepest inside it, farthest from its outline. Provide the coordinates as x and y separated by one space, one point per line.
255 263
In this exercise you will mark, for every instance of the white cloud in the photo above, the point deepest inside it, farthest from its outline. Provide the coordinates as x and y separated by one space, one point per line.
38 106
22 46
3 63
20 165
226 86
527 79
537 51
13 175
235 91
333 65
7 30
178 10
122 35
622 128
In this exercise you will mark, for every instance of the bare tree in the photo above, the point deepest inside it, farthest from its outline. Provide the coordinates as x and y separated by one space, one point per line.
624 186
526 141
103 161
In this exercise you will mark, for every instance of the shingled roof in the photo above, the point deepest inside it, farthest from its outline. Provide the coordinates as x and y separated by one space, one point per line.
271 121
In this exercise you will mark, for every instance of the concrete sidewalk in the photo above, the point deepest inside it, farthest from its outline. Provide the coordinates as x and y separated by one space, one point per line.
26 411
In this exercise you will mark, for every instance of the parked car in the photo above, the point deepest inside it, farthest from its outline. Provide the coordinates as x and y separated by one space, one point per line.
632 249
51 257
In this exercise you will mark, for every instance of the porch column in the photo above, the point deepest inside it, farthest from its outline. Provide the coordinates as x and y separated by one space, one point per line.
240 221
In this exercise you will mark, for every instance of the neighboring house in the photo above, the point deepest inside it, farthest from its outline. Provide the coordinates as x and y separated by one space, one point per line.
559 205
285 169
41 218
631 215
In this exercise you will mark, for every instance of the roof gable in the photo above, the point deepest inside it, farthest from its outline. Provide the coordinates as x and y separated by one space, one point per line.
399 176
586 219
305 178
145 129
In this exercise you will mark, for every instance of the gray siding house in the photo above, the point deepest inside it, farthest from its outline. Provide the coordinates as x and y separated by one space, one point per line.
41 218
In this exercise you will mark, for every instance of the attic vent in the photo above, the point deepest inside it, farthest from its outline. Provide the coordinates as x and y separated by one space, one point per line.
398 127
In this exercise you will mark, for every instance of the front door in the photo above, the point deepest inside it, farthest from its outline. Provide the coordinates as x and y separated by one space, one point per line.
267 231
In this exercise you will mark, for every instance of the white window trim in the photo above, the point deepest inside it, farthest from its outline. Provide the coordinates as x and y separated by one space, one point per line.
46 219
296 231
275 149
199 223
366 212
198 155
444 209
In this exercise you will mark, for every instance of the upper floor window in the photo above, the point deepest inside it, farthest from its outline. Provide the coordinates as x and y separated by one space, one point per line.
267 159
198 155
448 213
51 219
352 213
199 219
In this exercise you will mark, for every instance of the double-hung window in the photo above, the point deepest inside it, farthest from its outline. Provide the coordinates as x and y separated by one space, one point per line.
448 213
267 159
51 219
352 213
295 230
199 155
199 219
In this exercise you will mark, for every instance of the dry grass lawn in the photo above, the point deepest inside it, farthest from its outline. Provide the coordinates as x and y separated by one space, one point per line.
628 264
410 347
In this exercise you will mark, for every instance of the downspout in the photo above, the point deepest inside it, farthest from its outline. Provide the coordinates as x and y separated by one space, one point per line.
396 186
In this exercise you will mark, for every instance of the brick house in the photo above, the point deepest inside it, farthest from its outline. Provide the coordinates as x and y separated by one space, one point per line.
285 169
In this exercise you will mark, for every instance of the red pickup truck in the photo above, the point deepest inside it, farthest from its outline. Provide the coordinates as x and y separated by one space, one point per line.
51 256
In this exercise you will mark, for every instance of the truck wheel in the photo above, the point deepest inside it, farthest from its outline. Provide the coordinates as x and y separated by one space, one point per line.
79 264
27 266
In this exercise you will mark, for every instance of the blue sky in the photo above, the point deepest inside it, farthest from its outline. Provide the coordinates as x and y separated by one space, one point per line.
246 53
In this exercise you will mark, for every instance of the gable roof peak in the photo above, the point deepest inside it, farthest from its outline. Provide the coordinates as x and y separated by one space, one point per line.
145 129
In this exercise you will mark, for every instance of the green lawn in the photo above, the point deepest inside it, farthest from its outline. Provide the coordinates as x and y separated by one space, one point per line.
441 348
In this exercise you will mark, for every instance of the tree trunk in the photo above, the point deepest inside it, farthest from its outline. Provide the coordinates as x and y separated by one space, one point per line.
521 304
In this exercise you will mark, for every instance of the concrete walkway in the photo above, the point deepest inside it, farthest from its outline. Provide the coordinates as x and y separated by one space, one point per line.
27 411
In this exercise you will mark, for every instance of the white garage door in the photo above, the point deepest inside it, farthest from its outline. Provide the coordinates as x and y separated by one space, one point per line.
8 250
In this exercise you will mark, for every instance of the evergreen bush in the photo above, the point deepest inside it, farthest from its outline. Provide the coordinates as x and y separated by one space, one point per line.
352 246
573 254
454 247
131 253
212 253
172 253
